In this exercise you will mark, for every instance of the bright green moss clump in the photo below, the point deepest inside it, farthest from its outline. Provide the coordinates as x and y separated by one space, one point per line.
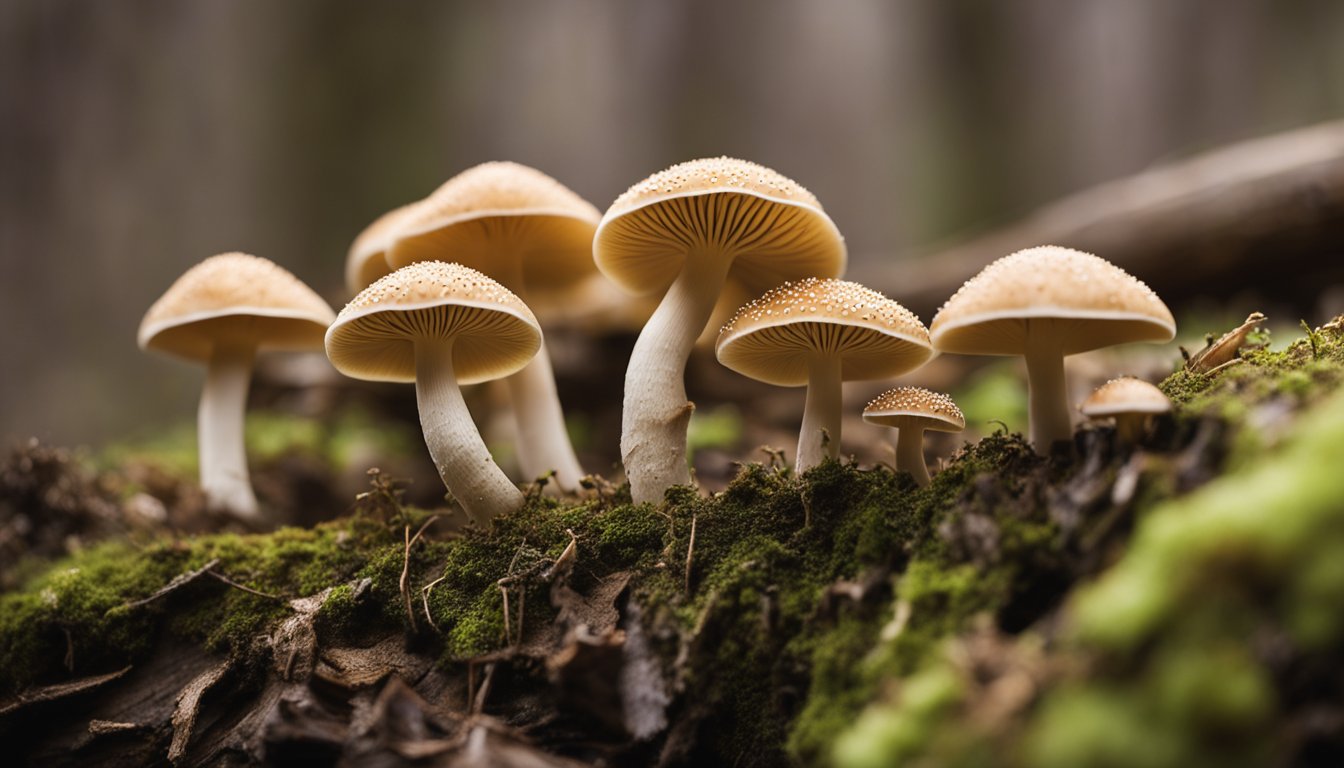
1188 650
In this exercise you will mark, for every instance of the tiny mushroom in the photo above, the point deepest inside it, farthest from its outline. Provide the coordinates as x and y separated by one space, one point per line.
1046 303
911 411
1131 402
820 332
221 312
441 325
367 259
534 235
686 232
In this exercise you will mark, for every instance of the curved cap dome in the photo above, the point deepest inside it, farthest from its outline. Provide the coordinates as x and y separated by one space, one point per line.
773 228
1125 395
494 333
367 258
236 299
503 211
1086 301
771 338
905 407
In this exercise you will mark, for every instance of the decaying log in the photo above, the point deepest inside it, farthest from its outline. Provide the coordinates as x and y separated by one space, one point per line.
1267 213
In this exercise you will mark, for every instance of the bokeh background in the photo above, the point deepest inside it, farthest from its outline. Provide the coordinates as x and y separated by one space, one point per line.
137 138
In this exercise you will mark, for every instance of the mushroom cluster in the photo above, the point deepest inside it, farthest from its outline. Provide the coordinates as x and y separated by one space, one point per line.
820 332
688 232
1044 304
440 288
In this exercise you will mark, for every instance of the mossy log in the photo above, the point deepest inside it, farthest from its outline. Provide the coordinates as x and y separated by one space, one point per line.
1176 603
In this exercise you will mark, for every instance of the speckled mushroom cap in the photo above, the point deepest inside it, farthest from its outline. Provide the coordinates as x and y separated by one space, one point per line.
771 338
503 209
367 259
915 407
234 298
1091 303
494 333
1125 395
775 228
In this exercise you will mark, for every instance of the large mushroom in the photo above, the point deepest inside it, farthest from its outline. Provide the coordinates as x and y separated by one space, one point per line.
221 312
685 232
912 411
820 332
534 235
441 325
1046 303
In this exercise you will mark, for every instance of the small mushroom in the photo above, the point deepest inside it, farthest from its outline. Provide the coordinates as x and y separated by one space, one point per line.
1046 303
534 235
1131 402
441 325
221 312
820 332
685 232
911 411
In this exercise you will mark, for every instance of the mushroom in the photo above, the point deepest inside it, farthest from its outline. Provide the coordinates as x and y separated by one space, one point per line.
686 231
221 312
1043 304
820 332
367 259
1131 402
441 325
534 235
911 411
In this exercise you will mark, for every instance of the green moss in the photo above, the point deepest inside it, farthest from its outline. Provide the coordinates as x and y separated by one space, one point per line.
888 735
1269 519
794 667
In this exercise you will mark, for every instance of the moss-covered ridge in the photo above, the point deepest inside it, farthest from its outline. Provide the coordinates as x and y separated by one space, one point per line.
790 610
1214 640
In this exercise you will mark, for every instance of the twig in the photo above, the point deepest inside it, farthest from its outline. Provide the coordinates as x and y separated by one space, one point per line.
508 634
424 597
690 552
177 581
236 585
69 650
478 703
566 557
406 566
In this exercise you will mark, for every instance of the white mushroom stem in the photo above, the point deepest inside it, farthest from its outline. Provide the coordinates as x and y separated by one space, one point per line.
219 426
543 443
910 454
1048 407
820 435
464 463
655 412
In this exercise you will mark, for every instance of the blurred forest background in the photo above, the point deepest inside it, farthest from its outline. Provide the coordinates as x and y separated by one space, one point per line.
137 138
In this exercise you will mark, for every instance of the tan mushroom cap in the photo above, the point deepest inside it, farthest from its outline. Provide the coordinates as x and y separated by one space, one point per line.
776 228
771 338
503 207
235 298
367 259
494 332
1091 303
1125 395
915 407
